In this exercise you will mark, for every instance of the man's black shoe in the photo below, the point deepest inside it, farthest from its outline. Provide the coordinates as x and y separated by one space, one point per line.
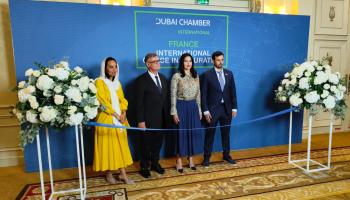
145 173
229 160
206 162
157 168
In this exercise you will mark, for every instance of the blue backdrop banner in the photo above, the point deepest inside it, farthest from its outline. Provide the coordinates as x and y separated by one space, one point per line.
259 49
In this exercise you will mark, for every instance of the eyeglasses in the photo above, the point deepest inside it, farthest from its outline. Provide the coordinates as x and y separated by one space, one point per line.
153 62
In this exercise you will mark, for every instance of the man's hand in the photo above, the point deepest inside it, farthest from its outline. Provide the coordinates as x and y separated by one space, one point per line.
234 114
142 125
176 119
208 117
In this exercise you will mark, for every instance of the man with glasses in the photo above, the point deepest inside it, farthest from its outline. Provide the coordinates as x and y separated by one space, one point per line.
152 112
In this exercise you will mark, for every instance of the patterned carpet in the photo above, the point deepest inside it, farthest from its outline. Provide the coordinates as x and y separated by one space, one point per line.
268 177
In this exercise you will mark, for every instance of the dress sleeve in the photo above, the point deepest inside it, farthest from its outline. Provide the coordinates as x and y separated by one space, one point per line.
102 97
198 98
122 101
173 94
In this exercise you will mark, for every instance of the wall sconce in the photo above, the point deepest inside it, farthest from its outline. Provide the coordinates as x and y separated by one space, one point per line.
274 6
123 2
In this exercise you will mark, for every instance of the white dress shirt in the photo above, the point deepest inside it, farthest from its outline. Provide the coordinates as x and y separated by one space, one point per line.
223 77
153 76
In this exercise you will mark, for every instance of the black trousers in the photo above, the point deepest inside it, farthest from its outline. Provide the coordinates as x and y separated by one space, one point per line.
224 119
151 143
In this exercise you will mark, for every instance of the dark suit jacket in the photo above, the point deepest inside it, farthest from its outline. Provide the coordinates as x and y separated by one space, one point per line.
152 106
211 93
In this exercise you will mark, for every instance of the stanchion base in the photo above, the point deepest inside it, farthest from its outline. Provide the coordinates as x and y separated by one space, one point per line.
320 167
69 191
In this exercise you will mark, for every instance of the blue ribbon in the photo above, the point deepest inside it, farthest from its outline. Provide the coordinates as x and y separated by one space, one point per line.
157 129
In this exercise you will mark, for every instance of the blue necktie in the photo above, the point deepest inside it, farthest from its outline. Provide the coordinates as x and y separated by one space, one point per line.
158 84
221 81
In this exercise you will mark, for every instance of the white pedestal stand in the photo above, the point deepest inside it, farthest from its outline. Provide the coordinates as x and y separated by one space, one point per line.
81 165
308 160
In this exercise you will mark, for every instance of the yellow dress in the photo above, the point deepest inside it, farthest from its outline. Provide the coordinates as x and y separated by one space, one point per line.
111 144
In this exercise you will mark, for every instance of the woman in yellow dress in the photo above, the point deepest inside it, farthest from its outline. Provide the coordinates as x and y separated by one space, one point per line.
111 144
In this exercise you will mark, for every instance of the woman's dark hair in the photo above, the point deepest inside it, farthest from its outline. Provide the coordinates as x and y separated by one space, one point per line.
181 68
106 62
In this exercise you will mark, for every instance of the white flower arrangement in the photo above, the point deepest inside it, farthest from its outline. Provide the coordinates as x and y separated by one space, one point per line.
313 86
54 96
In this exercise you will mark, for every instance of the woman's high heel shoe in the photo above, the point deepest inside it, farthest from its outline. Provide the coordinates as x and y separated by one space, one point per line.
192 167
180 170
126 181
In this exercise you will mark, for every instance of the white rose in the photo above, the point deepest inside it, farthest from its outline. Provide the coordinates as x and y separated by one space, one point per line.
339 95
58 89
31 117
74 82
74 94
48 114
59 99
92 113
51 72
33 102
312 97
326 86
293 81
92 88
329 102
310 68
333 78
333 88
280 89
284 81
324 94
62 74
18 114
78 69
83 83
29 72
64 64
23 95
286 75
21 84
307 74
283 98
47 93
320 78
295 101
44 82
72 109
342 88
36 73
304 83
299 71
96 102
75 119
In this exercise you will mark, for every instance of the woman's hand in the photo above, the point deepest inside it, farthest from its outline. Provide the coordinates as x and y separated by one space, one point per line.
116 116
123 117
176 119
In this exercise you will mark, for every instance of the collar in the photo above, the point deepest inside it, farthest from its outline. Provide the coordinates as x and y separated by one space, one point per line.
153 75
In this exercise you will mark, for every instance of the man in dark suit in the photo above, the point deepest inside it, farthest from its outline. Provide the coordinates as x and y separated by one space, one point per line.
219 103
152 112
